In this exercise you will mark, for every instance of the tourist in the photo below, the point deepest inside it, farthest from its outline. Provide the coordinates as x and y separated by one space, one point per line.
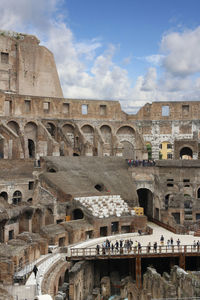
149 247
35 270
162 240
178 242
198 245
194 245
97 249
155 246
171 241
139 247
117 246
168 243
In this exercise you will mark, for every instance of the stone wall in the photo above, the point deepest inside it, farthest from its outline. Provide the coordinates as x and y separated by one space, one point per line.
81 280
26 67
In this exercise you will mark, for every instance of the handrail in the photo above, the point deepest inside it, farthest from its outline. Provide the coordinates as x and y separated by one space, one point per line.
166 226
143 250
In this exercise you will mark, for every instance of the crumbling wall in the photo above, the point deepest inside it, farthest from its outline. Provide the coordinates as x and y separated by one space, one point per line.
81 280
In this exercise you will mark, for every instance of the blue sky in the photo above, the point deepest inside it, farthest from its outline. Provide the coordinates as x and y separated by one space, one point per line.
134 51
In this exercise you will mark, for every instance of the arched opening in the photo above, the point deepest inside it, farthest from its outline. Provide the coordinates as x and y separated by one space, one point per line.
88 132
30 200
126 136
78 214
106 133
51 129
68 131
100 187
186 153
14 126
145 197
4 195
17 197
31 148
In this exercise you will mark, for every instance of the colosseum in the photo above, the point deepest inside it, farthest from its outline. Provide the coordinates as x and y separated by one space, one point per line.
79 175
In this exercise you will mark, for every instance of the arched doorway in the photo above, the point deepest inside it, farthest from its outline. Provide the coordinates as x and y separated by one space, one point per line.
186 153
145 197
78 214
4 195
17 197
31 148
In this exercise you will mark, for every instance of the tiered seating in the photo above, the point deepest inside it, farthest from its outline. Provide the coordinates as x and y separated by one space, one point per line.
105 206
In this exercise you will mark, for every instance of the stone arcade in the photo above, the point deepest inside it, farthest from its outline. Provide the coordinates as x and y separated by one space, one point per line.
65 178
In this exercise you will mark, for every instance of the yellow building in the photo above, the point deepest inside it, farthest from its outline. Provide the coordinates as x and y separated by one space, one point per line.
165 150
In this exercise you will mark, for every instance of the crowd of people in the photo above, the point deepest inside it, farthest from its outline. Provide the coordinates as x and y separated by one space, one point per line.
140 163
126 246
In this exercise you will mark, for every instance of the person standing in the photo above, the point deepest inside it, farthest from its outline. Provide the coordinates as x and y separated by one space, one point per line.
35 270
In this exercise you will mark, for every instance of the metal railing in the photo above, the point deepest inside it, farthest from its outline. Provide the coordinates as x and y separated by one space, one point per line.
144 250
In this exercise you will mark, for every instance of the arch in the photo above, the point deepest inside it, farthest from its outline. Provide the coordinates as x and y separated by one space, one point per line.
51 129
126 130
128 151
68 131
49 219
126 134
78 214
186 153
14 126
4 195
106 133
145 197
30 130
17 197
31 148
88 132
100 187
87 128
37 221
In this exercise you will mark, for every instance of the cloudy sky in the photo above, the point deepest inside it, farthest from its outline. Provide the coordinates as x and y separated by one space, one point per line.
134 51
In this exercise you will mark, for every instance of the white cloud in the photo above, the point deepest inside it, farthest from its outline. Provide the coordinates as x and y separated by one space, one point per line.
182 52
155 59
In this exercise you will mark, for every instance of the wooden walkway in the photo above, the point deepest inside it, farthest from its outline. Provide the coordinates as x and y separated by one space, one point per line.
144 251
